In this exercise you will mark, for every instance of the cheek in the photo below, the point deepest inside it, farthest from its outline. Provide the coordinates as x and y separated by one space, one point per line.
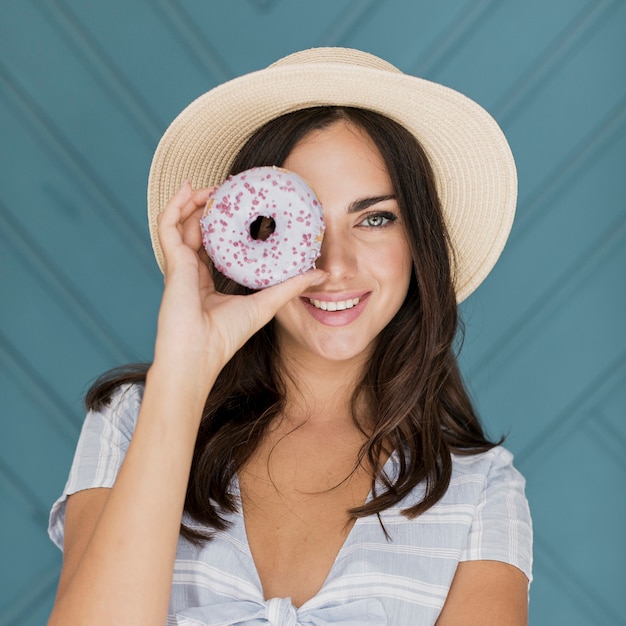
403 263
290 315
407 257
398 262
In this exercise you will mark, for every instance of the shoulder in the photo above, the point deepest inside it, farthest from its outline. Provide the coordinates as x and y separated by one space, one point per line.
104 439
484 468
491 483
483 515
120 411
481 461
473 475
486 479
501 527
125 396
492 475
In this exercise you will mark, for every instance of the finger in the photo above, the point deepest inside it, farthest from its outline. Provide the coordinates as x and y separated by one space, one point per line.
168 221
198 200
191 232
171 232
190 217
183 204
205 277
171 214
271 299
174 226
202 194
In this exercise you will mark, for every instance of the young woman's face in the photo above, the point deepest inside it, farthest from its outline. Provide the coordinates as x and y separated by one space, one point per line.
365 249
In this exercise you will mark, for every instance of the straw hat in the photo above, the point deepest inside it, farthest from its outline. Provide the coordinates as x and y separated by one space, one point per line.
471 159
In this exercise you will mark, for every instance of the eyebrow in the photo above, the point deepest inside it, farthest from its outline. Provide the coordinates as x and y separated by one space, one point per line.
365 203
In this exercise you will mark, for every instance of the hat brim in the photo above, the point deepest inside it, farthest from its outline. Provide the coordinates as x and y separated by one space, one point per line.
472 162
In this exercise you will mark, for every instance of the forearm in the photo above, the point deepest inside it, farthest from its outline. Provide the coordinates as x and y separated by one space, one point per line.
124 575
119 561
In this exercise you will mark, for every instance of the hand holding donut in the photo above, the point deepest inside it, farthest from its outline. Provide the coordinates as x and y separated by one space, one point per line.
263 226
199 327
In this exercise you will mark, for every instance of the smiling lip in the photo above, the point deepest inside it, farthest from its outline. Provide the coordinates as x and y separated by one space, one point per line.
332 305
340 310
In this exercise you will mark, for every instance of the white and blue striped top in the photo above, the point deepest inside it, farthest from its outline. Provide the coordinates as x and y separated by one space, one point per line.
404 580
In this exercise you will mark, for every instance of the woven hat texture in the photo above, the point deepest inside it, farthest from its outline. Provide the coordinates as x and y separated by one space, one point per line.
472 162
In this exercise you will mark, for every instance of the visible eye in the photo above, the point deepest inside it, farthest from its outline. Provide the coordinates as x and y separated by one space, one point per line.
378 220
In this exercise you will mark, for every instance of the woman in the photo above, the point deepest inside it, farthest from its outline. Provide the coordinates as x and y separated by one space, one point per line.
337 472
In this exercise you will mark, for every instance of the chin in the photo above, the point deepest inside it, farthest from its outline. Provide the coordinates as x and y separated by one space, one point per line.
338 351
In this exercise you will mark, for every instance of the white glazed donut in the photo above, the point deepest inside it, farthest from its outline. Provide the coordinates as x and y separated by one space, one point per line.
263 226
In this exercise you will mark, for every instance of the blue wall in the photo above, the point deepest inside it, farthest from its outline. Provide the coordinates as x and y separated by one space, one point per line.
87 88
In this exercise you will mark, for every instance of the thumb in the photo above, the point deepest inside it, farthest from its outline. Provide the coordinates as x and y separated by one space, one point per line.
270 299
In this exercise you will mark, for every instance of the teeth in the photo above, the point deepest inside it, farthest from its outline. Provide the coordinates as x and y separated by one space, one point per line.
341 305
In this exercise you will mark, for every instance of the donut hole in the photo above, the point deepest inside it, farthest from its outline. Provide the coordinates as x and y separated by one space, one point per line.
262 227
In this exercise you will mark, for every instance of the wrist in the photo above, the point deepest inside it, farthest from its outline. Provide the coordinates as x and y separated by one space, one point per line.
183 380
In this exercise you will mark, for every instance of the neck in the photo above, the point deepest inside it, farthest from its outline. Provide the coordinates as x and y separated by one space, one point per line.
320 391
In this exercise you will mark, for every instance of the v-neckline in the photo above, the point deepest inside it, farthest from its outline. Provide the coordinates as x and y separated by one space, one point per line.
236 490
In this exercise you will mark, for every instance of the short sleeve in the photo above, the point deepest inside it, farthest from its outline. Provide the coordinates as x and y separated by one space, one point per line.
101 448
502 528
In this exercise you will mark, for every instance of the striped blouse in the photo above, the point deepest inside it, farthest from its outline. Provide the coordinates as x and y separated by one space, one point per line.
374 580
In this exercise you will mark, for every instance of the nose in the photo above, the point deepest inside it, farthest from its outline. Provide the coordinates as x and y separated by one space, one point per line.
337 255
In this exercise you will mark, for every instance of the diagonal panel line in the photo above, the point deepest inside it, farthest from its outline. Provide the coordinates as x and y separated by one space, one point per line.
96 61
262 5
44 271
22 492
551 297
193 39
591 17
610 440
38 591
37 122
447 45
348 22
610 129
576 588
574 413
62 416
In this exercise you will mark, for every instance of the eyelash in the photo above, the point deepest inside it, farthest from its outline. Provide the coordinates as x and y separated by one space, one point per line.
386 215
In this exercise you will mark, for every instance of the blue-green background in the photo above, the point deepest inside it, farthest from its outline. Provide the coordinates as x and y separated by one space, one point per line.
86 90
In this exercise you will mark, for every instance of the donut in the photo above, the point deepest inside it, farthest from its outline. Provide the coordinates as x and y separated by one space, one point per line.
263 226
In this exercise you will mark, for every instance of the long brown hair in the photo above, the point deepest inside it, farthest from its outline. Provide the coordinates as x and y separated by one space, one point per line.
418 405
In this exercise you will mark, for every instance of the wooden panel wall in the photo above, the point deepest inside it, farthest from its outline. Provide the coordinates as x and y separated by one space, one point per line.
87 88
